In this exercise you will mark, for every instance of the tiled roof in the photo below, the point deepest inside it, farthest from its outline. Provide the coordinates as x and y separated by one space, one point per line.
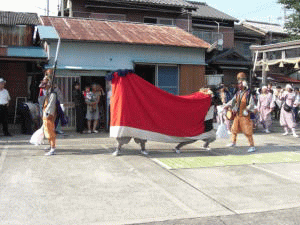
176 3
205 11
18 18
240 30
122 32
264 27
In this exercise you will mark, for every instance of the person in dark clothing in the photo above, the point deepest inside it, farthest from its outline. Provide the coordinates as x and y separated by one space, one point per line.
4 102
79 101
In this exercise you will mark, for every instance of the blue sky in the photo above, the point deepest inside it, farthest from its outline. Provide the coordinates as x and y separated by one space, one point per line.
259 10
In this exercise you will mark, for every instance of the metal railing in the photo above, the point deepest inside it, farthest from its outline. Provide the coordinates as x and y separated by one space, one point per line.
210 37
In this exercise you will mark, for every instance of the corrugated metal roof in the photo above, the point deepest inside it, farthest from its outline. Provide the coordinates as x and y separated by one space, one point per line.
264 27
176 3
122 32
205 11
18 18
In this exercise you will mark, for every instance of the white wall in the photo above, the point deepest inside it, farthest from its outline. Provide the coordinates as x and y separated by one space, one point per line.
122 56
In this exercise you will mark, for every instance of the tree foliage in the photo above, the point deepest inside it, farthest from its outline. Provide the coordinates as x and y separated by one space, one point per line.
292 24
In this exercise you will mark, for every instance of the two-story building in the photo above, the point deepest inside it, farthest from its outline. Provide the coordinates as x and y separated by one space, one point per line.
166 56
20 60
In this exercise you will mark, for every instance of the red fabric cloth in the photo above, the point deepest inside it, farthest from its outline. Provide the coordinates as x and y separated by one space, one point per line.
41 92
138 104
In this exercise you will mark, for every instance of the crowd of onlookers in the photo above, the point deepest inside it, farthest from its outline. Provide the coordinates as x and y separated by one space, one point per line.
271 103
88 106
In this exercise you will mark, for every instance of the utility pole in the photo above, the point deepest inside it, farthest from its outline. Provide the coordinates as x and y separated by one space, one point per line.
47 7
62 8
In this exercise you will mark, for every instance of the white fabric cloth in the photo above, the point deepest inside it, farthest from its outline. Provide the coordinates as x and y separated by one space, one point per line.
38 137
4 97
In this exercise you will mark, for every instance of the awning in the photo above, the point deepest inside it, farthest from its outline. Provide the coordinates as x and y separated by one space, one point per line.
47 32
23 53
280 79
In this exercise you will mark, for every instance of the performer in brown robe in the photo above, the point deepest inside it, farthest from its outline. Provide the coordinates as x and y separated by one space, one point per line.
49 113
242 103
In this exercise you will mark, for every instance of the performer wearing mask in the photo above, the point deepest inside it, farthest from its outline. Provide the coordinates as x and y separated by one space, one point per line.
287 119
242 103
264 107
49 111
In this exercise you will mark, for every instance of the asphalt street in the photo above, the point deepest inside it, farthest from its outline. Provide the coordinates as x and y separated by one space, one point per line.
84 184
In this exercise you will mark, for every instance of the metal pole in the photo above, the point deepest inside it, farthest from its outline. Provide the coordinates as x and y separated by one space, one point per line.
48 7
255 61
62 10
264 72
55 62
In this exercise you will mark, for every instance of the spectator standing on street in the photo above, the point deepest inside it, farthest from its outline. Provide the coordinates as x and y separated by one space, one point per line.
264 108
225 97
277 102
4 102
92 114
296 105
80 107
287 119
270 88
101 92
60 99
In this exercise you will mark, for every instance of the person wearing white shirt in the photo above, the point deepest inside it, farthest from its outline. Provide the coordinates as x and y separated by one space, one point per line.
4 102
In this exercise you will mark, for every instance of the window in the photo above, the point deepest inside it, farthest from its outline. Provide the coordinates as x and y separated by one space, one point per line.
150 20
107 16
12 35
166 77
214 80
208 36
154 20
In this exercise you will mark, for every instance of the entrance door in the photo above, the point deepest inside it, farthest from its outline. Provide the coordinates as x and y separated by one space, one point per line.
65 84
88 81
147 72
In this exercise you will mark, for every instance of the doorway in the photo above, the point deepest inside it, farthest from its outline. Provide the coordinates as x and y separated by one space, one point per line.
147 72
88 81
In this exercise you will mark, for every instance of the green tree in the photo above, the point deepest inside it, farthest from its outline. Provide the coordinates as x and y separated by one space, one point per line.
292 24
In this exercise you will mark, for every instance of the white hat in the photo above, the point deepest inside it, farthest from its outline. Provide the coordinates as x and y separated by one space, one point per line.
264 87
288 86
2 80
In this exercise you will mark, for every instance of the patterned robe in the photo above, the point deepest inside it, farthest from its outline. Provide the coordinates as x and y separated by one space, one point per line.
287 119
264 109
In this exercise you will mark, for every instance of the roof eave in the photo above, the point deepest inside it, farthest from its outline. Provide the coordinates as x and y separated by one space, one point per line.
128 43
218 18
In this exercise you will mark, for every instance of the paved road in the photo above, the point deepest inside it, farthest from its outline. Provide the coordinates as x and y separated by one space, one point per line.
84 184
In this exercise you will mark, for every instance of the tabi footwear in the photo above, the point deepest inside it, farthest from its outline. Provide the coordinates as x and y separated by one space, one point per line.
231 145
144 152
116 153
176 150
51 152
251 149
